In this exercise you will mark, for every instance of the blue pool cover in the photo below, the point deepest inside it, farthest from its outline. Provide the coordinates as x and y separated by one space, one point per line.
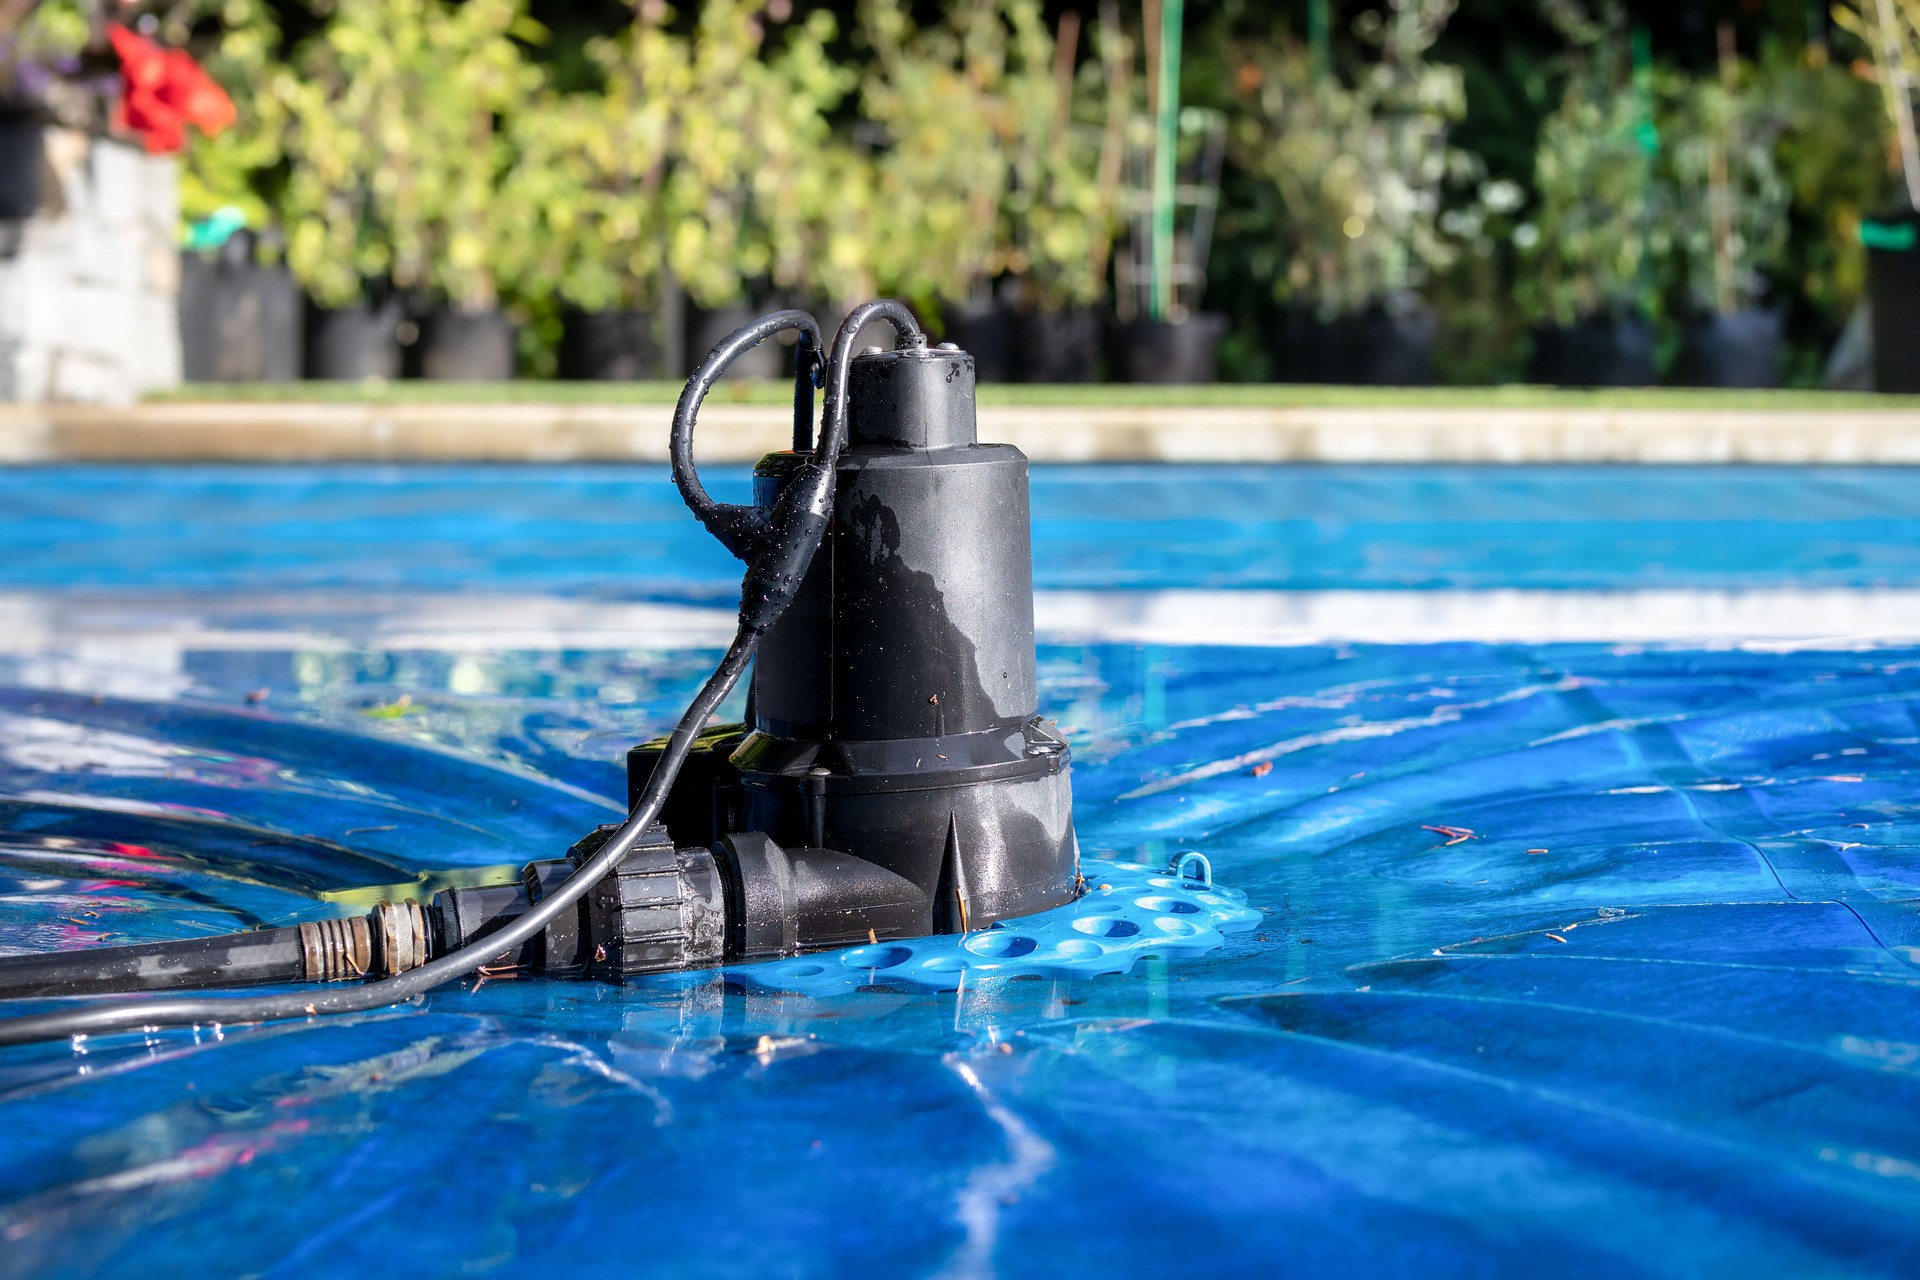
1571 958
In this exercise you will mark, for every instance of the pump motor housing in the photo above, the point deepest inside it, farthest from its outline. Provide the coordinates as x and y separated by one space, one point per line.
893 778
892 710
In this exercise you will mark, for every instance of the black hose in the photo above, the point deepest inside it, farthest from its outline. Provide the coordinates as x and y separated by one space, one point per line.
148 1012
804 508
833 429
781 549
230 960
743 530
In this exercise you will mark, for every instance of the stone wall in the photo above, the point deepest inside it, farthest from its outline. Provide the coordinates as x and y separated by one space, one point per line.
89 285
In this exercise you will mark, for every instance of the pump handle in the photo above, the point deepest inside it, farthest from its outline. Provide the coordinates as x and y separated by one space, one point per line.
741 529
778 543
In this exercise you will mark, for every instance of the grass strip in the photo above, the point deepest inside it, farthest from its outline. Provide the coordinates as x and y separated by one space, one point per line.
1100 396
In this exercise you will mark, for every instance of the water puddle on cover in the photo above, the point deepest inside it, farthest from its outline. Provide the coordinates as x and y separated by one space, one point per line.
1607 956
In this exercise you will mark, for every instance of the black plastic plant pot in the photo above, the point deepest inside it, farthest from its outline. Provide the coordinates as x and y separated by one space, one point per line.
352 343
240 320
707 329
1893 294
985 331
1303 347
1386 348
611 346
1383 346
1057 346
1608 350
465 346
22 160
1180 352
1740 349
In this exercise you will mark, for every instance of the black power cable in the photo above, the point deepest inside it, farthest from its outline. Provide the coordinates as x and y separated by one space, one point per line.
778 546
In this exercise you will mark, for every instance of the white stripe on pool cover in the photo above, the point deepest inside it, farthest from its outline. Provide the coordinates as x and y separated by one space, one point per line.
1838 617
88 625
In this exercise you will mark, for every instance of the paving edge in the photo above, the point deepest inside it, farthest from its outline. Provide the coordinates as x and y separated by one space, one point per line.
309 432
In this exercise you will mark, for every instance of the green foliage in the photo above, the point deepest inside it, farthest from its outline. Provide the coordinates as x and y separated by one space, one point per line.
1725 195
1358 163
397 166
1659 192
590 170
1890 32
939 93
1591 246
37 59
1057 216
993 156
1835 166
53 30
236 169
429 144
745 204
1482 339
709 154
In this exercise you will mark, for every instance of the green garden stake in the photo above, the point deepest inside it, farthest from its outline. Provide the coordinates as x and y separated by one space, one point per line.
1889 237
214 230
1646 132
1317 39
1166 143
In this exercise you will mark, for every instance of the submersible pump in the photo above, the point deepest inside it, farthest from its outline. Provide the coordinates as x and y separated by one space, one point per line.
892 778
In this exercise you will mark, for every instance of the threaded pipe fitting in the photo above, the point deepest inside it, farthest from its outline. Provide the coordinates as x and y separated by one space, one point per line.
399 936
335 950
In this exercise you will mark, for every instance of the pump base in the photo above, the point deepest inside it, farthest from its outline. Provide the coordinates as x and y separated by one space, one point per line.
981 824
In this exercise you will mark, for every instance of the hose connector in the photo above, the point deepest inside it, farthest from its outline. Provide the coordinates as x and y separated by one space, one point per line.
400 939
336 950
389 940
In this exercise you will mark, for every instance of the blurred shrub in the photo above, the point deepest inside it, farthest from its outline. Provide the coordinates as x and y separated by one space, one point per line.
1357 163
1057 218
939 94
990 154
1834 153
1725 194
241 167
934 151
747 129
1890 32
589 174
398 170
1597 230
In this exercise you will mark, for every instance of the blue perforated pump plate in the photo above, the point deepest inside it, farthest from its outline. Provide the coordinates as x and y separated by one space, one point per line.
1129 910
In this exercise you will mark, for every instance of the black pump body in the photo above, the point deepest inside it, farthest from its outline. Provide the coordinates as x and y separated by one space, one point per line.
892 709
892 779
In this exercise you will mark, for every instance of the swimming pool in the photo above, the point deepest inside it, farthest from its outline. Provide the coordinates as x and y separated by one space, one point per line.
1657 1012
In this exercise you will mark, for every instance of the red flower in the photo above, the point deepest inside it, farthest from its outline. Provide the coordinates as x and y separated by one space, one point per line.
165 92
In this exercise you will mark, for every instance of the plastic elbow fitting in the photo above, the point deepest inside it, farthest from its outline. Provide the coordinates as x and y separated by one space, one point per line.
665 909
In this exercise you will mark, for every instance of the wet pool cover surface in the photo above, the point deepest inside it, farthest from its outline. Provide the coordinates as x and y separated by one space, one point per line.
1574 958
